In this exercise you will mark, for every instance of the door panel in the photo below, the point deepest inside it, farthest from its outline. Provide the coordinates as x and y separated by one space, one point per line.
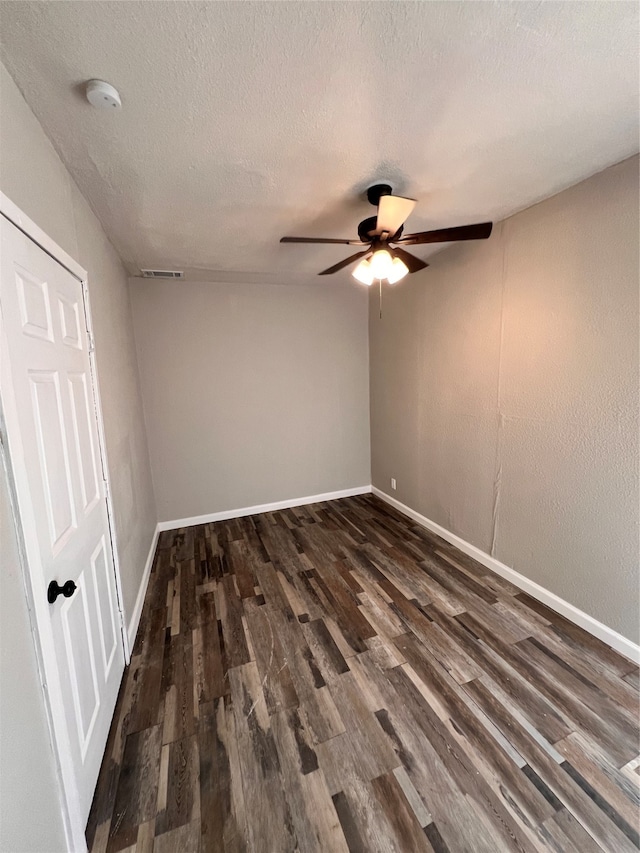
35 310
71 330
107 625
85 451
79 654
52 432
52 452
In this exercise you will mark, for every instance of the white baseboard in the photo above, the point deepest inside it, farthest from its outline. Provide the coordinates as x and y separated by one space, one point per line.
132 629
564 608
256 510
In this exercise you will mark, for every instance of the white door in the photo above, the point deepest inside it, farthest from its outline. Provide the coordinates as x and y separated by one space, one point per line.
51 425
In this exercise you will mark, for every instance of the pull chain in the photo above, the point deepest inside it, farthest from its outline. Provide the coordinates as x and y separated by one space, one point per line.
380 282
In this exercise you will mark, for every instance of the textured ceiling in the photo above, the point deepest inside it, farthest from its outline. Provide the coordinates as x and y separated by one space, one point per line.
245 121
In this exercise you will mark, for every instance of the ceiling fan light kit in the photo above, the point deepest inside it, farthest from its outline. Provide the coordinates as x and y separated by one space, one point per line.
380 260
380 267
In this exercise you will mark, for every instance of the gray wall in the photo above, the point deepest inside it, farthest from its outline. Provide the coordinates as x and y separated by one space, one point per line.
33 177
504 394
30 816
253 393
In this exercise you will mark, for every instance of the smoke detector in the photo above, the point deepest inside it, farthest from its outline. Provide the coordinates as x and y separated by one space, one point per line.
102 95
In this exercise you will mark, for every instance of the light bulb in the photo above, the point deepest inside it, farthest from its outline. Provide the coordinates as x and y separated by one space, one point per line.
398 270
381 264
363 273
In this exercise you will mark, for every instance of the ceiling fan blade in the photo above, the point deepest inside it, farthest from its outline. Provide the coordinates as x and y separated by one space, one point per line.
345 263
392 213
413 264
321 240
480 231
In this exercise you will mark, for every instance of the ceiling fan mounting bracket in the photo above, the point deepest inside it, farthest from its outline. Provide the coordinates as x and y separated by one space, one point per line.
375 193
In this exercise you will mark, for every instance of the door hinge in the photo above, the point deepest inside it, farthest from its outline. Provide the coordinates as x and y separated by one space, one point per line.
92 343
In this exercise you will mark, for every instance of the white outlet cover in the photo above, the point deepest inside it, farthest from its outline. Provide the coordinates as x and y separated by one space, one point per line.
393 482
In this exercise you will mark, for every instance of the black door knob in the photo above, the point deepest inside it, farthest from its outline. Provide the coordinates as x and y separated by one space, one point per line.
54 590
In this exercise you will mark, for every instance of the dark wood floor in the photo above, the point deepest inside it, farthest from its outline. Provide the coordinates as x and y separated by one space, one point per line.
334 678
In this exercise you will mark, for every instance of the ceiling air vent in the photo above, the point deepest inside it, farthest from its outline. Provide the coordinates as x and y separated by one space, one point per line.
162 273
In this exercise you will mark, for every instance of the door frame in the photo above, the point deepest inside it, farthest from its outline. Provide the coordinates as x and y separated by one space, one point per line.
74 825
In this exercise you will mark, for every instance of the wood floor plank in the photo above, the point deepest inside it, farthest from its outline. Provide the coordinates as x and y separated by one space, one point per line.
497 813
353 839
330 659
566 835
269 821
593 691
374 755
316 826
594 820
335 678
210 680
240 566
273 669
177 680
181 787
215 780
344 605
394 804
447 803
235 641
106 788
146 687
136 798
188 604
316 703
184 839
235 835
469 731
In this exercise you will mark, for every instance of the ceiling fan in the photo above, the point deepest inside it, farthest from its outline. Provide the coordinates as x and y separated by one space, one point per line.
381 260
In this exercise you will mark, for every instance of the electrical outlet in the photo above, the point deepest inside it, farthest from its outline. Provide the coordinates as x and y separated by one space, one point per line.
393 482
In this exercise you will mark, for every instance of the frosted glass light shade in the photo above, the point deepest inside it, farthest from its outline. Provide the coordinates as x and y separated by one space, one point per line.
398 270
381 264
363 273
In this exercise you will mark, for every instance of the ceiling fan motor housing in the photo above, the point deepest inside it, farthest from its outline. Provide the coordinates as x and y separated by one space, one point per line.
375 193
367 226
